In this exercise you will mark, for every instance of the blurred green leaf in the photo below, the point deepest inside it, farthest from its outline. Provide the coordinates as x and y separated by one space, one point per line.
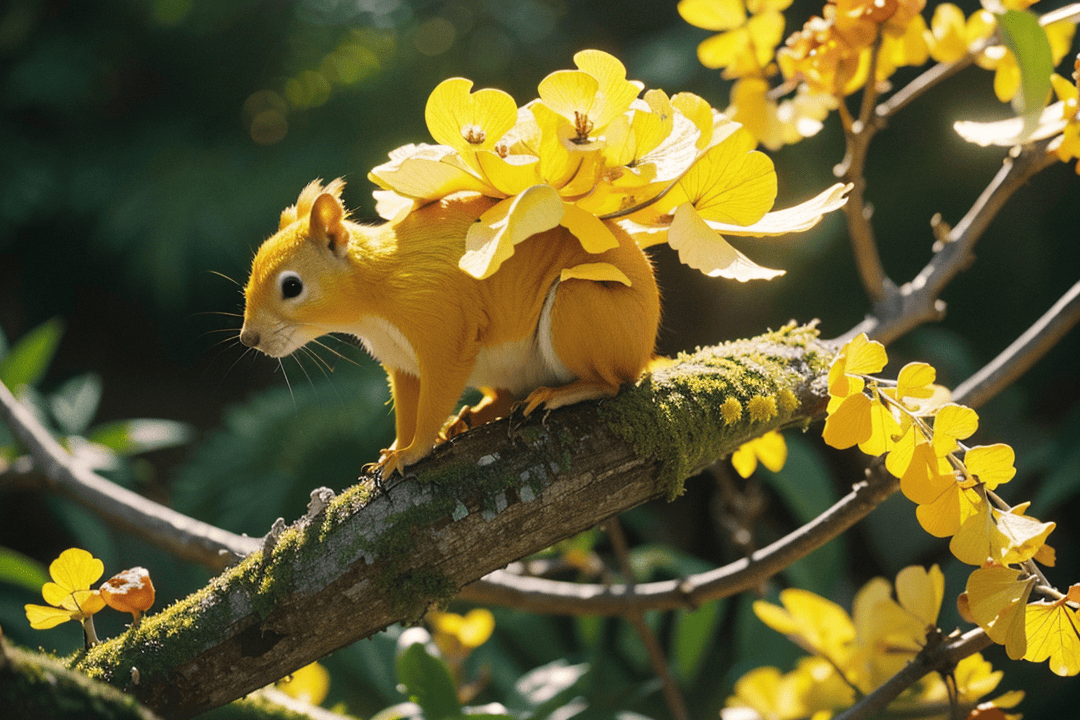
1026 38
27 361
22 571
428 683
542 690
75 402
694 632
130 437
806 487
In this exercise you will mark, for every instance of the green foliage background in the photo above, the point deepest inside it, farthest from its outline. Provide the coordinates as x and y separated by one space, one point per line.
148 145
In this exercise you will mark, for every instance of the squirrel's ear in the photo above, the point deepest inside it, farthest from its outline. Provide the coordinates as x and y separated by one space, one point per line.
328 223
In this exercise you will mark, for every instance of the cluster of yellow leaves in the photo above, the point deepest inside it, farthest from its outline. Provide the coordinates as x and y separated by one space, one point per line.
589 154
831 56
860 651
70 596
912 423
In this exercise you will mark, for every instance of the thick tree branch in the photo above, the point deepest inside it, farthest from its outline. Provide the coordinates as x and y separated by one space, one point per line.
487 498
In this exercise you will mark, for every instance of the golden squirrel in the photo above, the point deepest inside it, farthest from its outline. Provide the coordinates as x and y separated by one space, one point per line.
520 334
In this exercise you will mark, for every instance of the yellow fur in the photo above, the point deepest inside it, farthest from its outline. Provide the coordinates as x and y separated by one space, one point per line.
437 330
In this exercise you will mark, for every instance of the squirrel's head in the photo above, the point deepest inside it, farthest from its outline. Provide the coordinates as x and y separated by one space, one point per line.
299 274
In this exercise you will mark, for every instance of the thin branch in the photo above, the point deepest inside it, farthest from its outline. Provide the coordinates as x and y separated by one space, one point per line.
659 662
935 75
568 598
918 301
181 535
1014 360
940 659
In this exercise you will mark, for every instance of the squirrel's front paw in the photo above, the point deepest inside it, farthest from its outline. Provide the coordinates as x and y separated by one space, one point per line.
395 461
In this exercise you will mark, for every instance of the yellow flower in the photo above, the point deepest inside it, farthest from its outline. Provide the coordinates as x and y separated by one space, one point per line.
468 122
69 593
592 96
770 449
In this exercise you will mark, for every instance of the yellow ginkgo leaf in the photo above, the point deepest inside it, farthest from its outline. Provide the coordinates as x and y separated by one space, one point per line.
616 92
797 218
850 424
1022 536
1053 631
713 15
490 240
310 683
599 272
770 449
915 380
944 516
978 539
951 423
698 111
732 182
76 569
468 121
997 596
703 249
821 624
884 430
992 465
926 476
948 42
920 592
392 207
476 627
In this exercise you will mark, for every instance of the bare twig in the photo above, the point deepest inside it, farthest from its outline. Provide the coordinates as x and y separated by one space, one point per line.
940 659
918 301
181 535
567 598
659 662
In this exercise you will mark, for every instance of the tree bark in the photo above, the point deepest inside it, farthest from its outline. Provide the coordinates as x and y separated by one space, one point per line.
378 556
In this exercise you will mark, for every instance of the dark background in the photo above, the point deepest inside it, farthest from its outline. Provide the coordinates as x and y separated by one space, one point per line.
146 149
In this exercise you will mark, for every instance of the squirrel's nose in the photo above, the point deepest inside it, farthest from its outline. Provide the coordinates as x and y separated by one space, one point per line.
249 337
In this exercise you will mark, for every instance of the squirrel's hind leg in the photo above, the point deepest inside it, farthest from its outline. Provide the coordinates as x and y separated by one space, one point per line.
494 405
604 333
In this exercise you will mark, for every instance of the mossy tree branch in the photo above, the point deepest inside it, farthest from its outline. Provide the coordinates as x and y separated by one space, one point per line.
488 498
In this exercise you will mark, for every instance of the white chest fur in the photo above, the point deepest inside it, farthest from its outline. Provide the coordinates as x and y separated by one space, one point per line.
519 366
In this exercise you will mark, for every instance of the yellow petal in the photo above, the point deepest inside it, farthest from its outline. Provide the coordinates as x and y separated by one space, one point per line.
697 111
703 249
730 48
920 592
595 237
42 617
824 625
991 464
54 594
766 32
600 272
570 93
510 175
744 460
1053 631
491 239
849 424
616 92
713 15
76 569
468 121
1006 133
418 172
771 449
476 627
793 219
310 683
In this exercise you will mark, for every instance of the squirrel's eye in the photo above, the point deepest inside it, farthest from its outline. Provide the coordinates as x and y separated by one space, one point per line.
291 285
